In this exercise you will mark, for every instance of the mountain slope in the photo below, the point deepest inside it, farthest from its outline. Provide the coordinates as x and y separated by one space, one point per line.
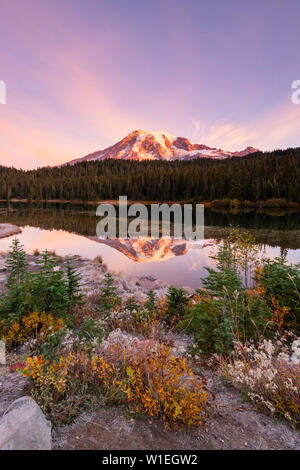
142 250
157 145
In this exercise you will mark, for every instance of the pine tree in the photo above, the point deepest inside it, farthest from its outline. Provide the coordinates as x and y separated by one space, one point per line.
74 289
16 264
108 299
49 288
150 305
177 301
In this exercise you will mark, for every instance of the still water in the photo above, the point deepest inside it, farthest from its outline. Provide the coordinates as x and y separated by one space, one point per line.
71 229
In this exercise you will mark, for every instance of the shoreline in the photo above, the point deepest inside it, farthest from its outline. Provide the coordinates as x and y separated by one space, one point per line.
6 230
232 204
92 272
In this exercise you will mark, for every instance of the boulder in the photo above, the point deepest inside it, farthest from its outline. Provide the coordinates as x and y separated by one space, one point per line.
24 427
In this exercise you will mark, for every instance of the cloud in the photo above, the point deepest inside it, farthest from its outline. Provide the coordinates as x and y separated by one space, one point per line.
270 131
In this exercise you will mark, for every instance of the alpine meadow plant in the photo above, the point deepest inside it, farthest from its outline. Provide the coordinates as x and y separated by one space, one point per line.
143 375
268 374
131 306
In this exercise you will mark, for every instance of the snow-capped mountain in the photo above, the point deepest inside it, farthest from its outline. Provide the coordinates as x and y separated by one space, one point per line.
158 145
142 250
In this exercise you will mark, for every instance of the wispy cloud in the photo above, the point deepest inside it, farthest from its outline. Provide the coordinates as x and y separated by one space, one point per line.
273 130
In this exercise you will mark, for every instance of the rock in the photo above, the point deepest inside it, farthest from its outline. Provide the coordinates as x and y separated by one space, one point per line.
148 277
2 353
125 285
12 386
24 427
2 265
6 230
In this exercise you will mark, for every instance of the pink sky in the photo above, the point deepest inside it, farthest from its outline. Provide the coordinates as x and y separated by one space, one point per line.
80 75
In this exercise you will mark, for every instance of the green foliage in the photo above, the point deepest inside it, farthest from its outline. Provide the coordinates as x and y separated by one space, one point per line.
226 309
149 309
88 333
16 264
53 346
132 306
108 299
177 302
47 290
85 336
282 282
224 281
74 289
243 247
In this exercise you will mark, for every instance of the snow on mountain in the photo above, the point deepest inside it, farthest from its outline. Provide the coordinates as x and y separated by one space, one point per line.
143 250
159 145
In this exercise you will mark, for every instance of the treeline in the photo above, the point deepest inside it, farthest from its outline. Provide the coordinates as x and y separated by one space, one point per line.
260 176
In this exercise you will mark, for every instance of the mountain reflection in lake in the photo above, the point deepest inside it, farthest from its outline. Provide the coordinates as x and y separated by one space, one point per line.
70 229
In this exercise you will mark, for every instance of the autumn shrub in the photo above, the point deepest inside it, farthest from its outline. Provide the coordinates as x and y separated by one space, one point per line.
281 281
269 375
152 316
65 387
147 317
165 386
134 316
35 328
142 373
44 332
134 324
16 366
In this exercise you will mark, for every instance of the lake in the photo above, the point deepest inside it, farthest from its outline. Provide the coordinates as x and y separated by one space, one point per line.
71 229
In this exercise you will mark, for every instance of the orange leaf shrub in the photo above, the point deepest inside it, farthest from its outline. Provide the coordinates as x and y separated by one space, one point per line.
164 385
144 375
34 327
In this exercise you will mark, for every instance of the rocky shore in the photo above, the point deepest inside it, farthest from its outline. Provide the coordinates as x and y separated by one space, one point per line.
92 273
6 230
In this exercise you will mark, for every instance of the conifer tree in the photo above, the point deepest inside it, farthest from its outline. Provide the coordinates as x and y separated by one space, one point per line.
16 264
74 289
108 299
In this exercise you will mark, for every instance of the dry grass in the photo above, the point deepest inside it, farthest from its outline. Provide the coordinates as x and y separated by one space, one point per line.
269 375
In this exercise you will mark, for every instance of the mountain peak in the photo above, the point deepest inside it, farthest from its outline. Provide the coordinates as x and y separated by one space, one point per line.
142 144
